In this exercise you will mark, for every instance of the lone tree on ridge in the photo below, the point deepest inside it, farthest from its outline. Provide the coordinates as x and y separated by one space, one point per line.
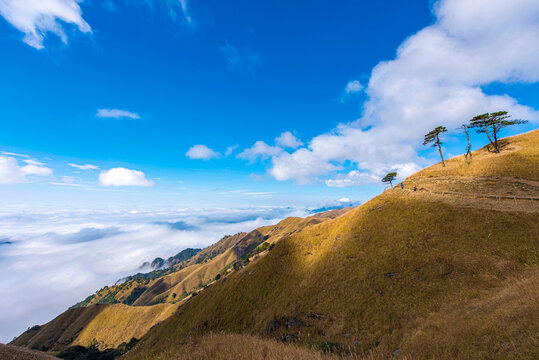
492 124
469 148
434 138
389 178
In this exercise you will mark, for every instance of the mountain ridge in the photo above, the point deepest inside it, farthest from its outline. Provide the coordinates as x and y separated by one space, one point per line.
392 277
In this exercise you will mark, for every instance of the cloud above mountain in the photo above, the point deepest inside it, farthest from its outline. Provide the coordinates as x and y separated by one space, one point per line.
436 78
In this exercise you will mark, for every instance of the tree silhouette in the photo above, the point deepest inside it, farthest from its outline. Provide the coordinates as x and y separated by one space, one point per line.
434 138
469 148
480 124
492 124
389 178
500 120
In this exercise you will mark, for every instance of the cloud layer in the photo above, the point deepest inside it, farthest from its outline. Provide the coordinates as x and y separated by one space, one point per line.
51 259
435 79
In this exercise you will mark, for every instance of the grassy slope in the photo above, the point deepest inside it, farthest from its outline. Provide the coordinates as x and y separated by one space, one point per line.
238 347
113 324
119 323
518 159
204 266
9 352
399 272
110 325
179 272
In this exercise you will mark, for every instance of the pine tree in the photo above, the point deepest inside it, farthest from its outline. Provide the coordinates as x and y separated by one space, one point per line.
491 124
389 178
469 147
434 138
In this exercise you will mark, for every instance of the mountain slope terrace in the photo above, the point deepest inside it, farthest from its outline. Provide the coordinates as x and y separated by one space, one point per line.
414 274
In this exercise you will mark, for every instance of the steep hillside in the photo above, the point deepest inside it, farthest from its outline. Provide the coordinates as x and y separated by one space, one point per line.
407 274
10 352
179 281
109 325
518 159
102 317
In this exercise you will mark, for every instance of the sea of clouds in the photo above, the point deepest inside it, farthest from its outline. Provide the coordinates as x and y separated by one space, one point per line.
52 258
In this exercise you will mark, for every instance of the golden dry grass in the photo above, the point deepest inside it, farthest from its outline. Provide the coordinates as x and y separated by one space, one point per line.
236 347
10 352
60 332
223 346
518 159
110 325
374 275
501 323
119 323
204 266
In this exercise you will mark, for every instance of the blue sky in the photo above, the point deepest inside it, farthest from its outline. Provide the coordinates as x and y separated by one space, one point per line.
226 75
120 116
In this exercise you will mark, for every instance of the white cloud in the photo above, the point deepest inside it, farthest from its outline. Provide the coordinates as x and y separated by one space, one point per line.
353 86
260 150
33 162
201 152
12 173
37 17
287 139
353 178
372 176
231 149
84 167
302 166
124 177
436 78
116 114
13 154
